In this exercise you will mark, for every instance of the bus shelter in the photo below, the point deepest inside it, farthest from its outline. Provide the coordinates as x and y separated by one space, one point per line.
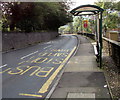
97 11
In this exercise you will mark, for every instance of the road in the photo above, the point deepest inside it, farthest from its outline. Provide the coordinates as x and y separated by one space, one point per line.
32 71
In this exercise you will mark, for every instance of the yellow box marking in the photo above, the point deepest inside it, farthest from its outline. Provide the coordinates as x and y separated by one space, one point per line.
49 81
33 95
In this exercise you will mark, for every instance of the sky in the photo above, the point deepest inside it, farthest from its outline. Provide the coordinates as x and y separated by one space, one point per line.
84 2
81 2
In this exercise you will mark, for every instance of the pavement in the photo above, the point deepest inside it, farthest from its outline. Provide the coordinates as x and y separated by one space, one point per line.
81 77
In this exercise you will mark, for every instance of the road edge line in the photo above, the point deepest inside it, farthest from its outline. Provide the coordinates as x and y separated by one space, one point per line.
78 44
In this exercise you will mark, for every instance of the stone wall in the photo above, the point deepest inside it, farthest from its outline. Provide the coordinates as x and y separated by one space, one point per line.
19 40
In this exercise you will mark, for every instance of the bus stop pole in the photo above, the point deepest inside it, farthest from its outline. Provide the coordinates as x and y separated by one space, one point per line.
100 38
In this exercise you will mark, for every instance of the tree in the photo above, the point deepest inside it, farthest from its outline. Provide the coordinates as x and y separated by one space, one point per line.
110 15
35 16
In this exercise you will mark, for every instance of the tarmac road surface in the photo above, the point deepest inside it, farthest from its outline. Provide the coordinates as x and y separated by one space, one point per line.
31 72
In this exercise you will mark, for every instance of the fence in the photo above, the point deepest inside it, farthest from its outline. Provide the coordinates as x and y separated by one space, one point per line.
113 49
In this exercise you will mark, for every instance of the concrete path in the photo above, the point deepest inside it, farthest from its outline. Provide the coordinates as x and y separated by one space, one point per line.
82 78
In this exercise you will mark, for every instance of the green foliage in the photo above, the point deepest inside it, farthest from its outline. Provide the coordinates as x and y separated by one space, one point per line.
110 19
75 26
110 15
34 16
118 6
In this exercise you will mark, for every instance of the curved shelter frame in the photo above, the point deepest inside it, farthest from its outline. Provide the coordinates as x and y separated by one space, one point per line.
97 11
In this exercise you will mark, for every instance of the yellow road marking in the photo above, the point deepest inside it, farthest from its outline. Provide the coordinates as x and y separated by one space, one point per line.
5 70
49 81
21 63
47 73
29 69
33 95
32 57
50 60
37 60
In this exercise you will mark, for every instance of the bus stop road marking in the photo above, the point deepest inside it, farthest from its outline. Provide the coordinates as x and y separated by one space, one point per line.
49 81
46 85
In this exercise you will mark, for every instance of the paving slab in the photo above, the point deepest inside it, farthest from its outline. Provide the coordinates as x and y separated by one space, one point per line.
80 64
63 92
81 77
